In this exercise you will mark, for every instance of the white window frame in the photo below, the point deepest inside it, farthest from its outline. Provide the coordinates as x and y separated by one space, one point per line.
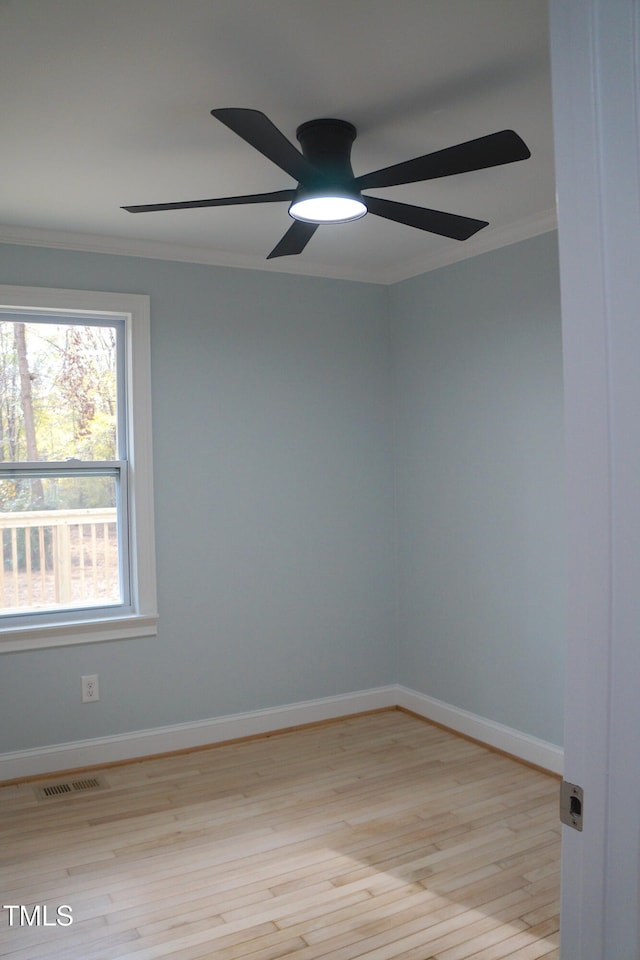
141 616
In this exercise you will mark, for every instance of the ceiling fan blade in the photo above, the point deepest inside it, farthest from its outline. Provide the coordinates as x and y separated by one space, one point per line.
490 151
433 221
277 195
295 239
256 128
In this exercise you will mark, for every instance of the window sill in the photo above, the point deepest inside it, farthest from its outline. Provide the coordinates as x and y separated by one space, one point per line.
34 637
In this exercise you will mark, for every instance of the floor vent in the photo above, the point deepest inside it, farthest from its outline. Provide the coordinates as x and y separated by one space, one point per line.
69 787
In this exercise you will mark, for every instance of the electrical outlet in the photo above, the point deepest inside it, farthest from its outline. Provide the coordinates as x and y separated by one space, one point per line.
90 688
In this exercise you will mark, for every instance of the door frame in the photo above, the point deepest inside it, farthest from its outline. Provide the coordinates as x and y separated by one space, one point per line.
595 55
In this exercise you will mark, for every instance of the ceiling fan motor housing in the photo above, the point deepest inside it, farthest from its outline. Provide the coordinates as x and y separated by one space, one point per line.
326 144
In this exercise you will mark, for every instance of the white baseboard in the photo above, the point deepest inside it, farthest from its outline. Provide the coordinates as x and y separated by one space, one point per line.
530 749
52 759
184 736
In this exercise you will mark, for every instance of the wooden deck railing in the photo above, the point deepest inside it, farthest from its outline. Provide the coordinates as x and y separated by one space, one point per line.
54 558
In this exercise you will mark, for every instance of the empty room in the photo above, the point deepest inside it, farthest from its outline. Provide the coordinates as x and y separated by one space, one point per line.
299 389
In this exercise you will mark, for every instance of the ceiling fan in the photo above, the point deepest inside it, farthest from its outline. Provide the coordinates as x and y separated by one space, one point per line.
328 191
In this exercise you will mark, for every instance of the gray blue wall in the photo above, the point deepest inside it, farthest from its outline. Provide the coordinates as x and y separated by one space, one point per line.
479 485
354 485
271 423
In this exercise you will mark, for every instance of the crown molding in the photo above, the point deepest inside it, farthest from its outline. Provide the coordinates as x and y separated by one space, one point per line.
484 242
159 250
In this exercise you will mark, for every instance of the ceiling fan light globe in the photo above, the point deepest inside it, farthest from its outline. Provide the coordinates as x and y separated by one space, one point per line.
327 209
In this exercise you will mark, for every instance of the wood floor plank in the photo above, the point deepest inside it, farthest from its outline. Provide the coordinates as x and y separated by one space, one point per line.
377 837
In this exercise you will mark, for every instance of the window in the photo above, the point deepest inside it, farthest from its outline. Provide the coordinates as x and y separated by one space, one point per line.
77 559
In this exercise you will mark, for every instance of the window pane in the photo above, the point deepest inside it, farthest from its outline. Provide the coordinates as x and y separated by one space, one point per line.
58 391
59 543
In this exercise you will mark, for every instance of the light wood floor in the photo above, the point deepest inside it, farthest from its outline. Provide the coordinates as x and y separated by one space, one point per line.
379 837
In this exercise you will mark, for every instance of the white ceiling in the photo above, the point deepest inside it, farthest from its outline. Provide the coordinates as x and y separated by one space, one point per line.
107 102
